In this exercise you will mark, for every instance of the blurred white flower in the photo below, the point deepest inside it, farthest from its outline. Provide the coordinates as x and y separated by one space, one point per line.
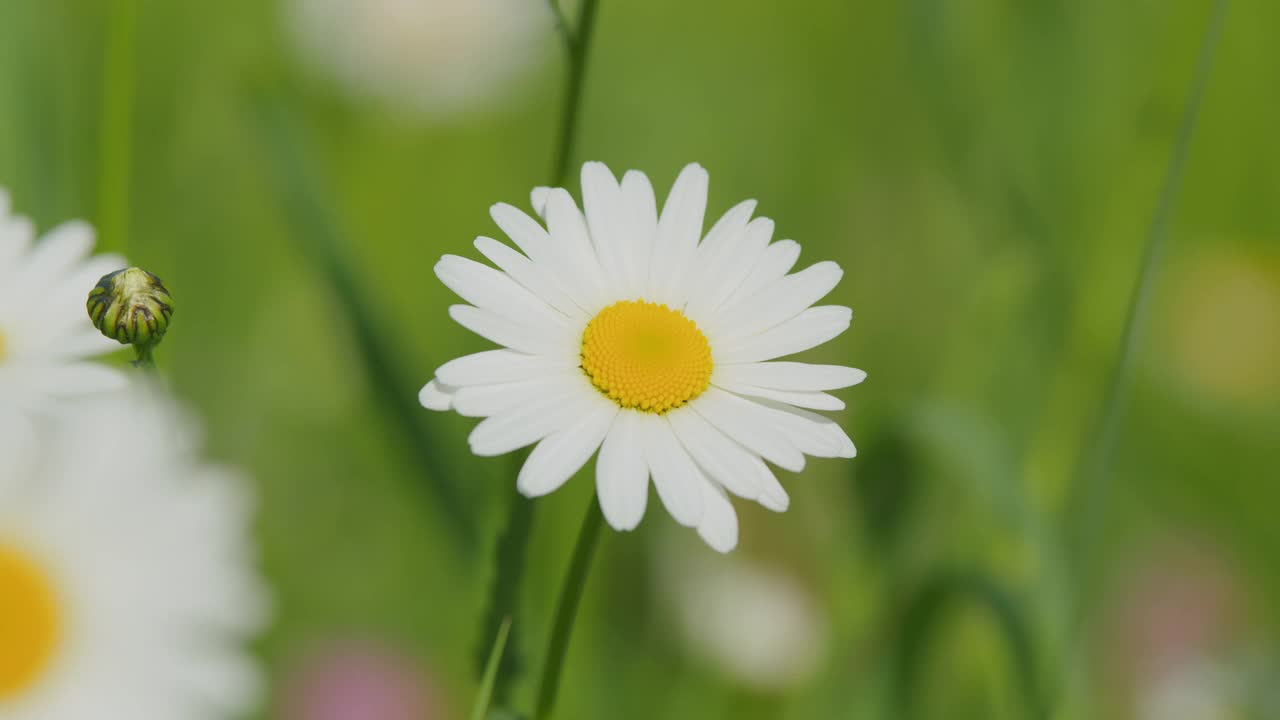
45 333
630 332
126 567
1202 691
433 57
755 623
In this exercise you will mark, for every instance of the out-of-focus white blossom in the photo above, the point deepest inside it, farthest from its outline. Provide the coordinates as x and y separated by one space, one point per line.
46 339
127 581
755 623
436 58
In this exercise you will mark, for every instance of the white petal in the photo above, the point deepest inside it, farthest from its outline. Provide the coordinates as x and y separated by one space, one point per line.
774 264
750 424
811 400
602 204
564 452
511 334
538 199
808 329
16 234
731 270
719 526
679 229
528 423
814 434
723 459
642 221
622 475
526 233
76 378
486 400
498 366
578 267
772 495
50 260
797 376
774 304
434 397
533 277
675 476
495 291
722 241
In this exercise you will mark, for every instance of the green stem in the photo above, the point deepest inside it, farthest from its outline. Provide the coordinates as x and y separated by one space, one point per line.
577 43
567 609
1090 482
508 560
116 126
146 360
562 22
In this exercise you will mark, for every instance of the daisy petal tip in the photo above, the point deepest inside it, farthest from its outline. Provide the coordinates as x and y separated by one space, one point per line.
432 397
693 170
775 500
538 198
721 543
618 521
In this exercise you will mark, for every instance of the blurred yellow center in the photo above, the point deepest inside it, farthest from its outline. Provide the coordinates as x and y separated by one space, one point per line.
1 345
29 621
646 356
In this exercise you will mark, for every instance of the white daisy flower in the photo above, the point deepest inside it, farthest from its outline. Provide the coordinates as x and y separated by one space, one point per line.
435 58
622 332
125 567
45 335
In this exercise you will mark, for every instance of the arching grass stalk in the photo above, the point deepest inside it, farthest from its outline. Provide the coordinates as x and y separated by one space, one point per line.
115 138
1093 468
1086 513
923 619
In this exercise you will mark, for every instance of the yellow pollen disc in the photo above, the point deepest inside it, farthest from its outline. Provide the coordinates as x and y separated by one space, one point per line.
29 621
646 356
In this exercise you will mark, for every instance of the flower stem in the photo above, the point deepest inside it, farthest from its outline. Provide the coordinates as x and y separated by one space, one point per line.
508 559
567 609
115 138
146 360
577 43
1090 482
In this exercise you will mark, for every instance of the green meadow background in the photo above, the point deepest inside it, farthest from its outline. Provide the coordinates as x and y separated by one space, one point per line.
986 173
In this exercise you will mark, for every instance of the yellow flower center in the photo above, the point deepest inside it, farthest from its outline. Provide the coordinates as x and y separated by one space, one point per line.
1 346
29 621
646 356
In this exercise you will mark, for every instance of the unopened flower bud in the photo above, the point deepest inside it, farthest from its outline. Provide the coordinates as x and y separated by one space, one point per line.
132 307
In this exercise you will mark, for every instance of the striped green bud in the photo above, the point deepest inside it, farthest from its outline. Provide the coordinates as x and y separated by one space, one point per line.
132 307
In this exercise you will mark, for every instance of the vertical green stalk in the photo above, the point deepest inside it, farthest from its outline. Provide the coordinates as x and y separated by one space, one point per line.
1090 482
577 43
567 609
508 560
146 360
115 140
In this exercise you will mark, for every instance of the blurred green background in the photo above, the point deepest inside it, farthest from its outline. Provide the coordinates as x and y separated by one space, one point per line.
984 171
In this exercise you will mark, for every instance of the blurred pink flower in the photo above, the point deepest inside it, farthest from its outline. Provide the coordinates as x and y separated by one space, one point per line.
361 680
1179 606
